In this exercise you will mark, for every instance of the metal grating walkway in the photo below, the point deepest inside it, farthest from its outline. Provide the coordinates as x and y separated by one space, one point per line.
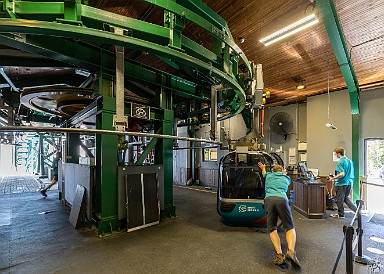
18 184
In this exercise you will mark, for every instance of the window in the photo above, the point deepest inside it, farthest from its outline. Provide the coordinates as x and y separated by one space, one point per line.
374 170
374 158
210 154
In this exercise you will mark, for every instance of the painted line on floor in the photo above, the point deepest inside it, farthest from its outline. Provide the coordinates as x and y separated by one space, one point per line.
192 188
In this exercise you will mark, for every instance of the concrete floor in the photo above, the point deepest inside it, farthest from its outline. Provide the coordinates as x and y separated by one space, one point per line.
36 237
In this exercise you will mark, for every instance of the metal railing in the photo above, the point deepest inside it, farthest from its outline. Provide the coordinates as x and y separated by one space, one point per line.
361 191
102 131
349 238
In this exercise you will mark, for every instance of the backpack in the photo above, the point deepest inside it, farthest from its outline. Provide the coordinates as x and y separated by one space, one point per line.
330 202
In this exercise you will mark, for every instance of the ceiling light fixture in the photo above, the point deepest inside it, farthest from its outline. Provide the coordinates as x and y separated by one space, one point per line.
301 85
241 40
304 23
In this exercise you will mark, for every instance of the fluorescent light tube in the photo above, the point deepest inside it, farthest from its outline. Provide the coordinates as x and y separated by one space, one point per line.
304 23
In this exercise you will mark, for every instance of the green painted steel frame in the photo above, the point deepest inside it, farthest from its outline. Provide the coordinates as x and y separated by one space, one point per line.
57 29
106 177
40 161
63 24
96 18
89 57
356 155
217 27
151 145
164 153
195 56
335 33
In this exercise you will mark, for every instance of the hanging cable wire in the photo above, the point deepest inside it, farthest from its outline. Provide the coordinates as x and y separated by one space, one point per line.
329 124
329 97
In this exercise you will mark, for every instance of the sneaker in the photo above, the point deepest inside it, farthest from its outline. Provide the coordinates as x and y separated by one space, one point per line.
291 256
279 259
337 216
43 192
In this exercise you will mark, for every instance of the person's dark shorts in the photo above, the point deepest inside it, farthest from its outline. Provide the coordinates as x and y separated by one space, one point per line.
55 177
278 207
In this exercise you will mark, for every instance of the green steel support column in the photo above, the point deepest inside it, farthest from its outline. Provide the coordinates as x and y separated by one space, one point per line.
7 6
73 148
193 157
40 162
355 154
71 12
235 65
332 25
164 154
217 49
105 85
336 37
176 25
227 65
106 173
192 133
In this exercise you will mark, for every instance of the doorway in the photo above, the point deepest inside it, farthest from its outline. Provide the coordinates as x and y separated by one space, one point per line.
374 171
6 157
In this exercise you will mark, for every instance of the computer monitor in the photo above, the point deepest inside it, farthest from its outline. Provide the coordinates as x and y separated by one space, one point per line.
303 168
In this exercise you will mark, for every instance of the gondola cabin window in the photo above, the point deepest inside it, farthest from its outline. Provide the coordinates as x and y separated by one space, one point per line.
210 154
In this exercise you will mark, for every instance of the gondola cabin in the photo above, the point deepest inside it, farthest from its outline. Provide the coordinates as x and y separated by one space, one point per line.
241 191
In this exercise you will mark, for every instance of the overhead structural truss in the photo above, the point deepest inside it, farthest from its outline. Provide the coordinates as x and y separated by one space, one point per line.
69 31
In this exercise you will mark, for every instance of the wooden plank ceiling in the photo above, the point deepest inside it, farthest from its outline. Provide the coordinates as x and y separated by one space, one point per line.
306 55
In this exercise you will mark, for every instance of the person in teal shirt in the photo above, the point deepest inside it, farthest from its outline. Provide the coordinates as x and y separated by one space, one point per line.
276 206
343 183
55 175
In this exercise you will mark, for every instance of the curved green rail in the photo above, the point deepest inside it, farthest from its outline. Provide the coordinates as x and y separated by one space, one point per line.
81 22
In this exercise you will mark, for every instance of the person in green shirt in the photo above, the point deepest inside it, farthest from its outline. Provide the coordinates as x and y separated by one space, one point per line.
276 206
55 174
343 183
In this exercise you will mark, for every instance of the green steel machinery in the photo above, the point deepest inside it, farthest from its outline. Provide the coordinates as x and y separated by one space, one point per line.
123 72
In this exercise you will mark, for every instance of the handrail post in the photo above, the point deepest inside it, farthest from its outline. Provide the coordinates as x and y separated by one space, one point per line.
349 231
360 258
